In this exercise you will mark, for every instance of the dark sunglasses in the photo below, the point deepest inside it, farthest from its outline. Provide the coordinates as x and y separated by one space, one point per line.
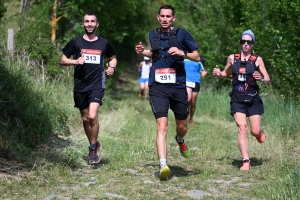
248 42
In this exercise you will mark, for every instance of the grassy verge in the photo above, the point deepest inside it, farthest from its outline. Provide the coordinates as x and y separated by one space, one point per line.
57 168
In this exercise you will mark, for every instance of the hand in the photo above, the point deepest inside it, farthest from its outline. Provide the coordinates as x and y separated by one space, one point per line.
176 51
109 70
203 73
80 60
257 76
139 48
217 71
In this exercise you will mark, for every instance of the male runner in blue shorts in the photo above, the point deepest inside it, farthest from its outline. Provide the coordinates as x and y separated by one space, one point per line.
167 89
88 52
144 69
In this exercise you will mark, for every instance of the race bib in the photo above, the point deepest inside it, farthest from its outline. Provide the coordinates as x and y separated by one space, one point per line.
190 84
165 75
242 75
91 56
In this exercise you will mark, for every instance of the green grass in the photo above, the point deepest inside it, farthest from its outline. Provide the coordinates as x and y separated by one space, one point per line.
57 168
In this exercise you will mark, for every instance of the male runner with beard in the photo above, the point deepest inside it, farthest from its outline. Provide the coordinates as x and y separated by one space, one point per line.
88 52
167 81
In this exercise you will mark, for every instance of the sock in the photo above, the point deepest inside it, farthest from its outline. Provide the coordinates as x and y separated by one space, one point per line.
246 160
93 146
179 139
162 162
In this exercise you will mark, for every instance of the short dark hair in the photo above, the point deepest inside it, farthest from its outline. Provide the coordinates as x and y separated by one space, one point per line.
91 13
167 7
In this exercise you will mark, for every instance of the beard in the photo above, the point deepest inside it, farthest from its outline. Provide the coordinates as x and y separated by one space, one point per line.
89 32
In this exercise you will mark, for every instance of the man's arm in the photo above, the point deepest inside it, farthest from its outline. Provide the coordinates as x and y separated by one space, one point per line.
194 56
140 49
64 60
113 62
140 66
203 73
111 66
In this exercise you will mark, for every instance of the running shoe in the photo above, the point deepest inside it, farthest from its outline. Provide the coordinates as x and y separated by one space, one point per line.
93 156
246 165
184 151
261 138
164 172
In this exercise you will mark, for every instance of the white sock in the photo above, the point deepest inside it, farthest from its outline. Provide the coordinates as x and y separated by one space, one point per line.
179 139
162 162
246 159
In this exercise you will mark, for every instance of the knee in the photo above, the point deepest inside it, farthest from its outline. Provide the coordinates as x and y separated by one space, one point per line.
85 118
93 118
89 118
243 129
162 128
182 127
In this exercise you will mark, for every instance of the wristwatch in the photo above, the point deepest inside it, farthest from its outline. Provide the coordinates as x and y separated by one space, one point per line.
185 54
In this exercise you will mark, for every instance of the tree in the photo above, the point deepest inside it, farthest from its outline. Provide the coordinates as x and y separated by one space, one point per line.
54 20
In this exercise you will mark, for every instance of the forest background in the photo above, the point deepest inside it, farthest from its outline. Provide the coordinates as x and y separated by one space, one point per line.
215 25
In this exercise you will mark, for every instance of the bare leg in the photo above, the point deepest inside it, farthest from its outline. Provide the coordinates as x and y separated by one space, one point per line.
142 88
181 128
161 138
241 121
146 91
90 122
193 107
189 92
255 125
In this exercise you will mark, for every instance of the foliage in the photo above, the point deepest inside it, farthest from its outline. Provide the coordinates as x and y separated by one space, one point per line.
2 8
35 39
28 116
217 25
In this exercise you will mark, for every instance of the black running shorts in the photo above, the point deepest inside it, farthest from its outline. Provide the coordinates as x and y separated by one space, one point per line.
196 88
83 99
162 98
254 108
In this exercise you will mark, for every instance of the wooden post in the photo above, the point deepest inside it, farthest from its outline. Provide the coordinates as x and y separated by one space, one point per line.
10 40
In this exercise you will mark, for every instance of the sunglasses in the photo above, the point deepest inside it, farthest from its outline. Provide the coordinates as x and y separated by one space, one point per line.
248 42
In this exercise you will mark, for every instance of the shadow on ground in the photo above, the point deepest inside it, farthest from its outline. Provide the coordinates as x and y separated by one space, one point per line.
254 162
176 171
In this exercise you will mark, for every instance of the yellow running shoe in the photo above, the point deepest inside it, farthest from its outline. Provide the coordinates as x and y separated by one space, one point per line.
164 172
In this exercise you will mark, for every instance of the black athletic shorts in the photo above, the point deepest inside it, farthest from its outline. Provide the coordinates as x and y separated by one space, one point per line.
83 99
196 88
254 108
162 98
